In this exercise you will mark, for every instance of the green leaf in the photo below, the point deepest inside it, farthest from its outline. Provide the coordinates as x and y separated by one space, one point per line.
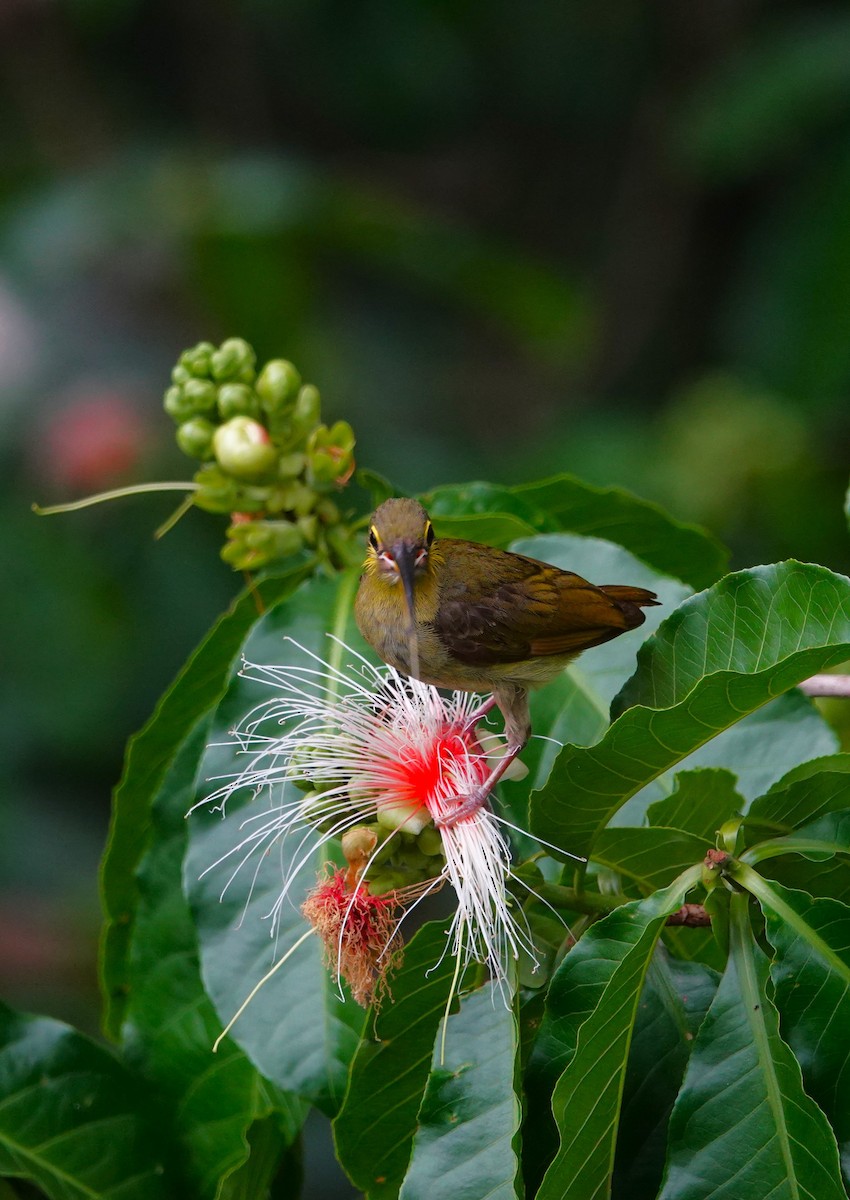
170 1026
686 552
470 1102
768 97
482 512
809 791
72 1118
575 706
568 504
675 998
297 1030
593 1004
759 750
811 975
721 655
742 1127
195 691
702 800
819 840
650 858
375 1127
494 529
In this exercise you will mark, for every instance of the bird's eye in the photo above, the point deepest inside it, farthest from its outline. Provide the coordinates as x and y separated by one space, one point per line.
429 533
373 538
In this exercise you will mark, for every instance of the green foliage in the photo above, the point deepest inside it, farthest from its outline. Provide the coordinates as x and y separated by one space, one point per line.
682 1034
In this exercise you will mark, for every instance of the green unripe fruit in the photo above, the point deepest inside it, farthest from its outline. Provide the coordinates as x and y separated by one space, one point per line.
195 437
429 841
387 881
216 492
330 453
200 394
254 544
277 384
237 400
233 361
197 360
291 465
244 449
308 407
180 374
176 405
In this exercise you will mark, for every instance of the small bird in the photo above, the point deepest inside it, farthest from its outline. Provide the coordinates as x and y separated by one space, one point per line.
465 616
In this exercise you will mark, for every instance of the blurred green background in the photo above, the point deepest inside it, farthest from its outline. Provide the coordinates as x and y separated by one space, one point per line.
504 240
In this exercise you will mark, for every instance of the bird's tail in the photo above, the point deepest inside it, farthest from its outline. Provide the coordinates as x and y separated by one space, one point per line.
631 600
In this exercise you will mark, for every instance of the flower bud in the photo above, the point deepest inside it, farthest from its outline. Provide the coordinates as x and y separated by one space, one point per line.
244 449
201 395
357 844
291 465
176 404
197 360
237 400
254 544
409 815
330 454
234 360
429 841
195 437
216 492
308 407
388 880
277 384
180 375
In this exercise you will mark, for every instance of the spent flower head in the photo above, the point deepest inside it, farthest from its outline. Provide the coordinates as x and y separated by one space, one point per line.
380 761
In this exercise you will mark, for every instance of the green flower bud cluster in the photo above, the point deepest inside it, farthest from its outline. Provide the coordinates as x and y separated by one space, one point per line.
265 456
401 858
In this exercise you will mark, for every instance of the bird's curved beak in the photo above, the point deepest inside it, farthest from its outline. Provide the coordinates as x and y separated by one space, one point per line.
404 556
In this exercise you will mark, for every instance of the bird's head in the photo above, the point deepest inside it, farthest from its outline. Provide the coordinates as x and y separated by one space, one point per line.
400 537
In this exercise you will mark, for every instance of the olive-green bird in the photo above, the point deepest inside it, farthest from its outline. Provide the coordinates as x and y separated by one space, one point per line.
464 616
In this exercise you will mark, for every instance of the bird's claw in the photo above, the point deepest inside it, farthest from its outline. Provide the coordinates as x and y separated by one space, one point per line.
467 806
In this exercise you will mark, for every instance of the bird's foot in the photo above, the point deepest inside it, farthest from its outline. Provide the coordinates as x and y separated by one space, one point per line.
479 713
467 806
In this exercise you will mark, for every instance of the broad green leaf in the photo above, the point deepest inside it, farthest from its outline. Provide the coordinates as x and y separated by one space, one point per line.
686 552
811 975
478 497
481 512
375 1127
819 840
73 1120
721 655
742 1127
770 95
806 793
195 691
296 1030
593 1004
565 503
820 879
675 998
214 1100
649 858
701 801
493 529
574 707
470 1103
759 750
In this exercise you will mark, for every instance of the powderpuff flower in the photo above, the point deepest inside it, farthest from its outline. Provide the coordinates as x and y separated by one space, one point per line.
381 762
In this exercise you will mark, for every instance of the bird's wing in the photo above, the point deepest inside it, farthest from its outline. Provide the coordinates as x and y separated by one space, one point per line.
497 607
